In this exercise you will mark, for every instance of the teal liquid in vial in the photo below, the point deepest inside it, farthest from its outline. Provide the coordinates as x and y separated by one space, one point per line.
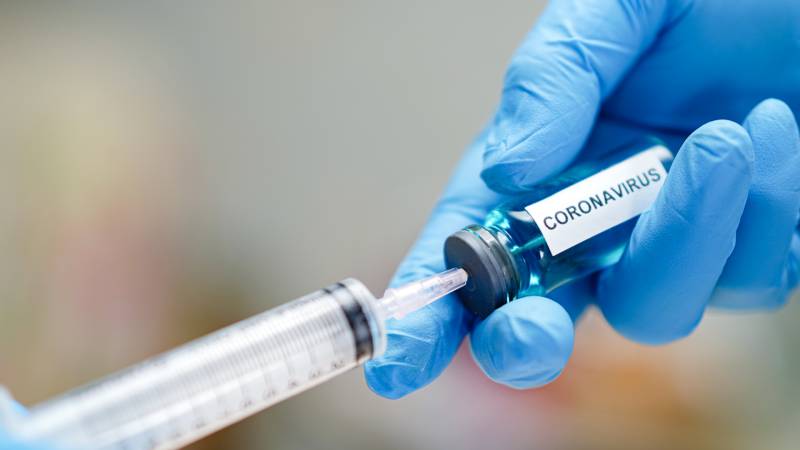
567 227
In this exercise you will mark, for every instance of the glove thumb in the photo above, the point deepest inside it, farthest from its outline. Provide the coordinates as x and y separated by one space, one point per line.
556 81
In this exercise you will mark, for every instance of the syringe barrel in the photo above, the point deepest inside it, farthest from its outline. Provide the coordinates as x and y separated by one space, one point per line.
190 392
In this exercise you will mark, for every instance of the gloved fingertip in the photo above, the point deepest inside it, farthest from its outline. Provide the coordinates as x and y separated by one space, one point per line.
740 299
404 368
10 409
720 152
725 141
772 114
773 129
534 380
664 333
504 178
531 137
769 221
659 290
380 381
524 344
418 348
519 171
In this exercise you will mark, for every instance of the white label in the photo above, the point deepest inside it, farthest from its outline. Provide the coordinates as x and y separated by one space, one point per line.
602 201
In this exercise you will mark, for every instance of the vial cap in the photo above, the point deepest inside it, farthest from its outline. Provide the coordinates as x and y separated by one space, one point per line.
476 251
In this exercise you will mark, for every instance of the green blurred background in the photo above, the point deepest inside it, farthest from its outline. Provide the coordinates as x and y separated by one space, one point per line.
167 168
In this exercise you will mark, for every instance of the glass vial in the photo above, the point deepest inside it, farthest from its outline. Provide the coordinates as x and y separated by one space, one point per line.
569 226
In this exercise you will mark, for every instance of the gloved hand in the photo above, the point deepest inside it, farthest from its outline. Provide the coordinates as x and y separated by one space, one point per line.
10 410
591 75
8 443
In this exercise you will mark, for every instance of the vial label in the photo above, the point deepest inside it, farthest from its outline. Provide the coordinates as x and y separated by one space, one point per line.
601 201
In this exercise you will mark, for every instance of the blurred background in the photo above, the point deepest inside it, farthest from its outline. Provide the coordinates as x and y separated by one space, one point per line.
167 168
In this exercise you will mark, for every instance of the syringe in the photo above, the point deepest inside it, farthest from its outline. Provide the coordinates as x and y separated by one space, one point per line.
194 390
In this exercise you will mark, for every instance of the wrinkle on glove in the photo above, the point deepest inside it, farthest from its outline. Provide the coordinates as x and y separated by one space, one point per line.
575 56
659 289
418 348
763 268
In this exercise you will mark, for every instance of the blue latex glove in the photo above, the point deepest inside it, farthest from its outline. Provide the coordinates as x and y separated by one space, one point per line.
10 410
7 443
592 74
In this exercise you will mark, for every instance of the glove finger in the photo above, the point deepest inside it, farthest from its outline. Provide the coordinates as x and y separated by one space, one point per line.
421 345
10 409
574 57
524 344
574 296
761 270
9 442
11 412
659 289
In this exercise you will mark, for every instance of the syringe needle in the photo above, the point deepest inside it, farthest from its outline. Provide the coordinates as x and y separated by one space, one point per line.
399 301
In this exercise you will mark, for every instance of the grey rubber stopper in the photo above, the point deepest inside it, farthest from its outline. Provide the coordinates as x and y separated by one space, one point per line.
488 285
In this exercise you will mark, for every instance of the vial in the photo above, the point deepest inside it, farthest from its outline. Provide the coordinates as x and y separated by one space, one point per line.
567 227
